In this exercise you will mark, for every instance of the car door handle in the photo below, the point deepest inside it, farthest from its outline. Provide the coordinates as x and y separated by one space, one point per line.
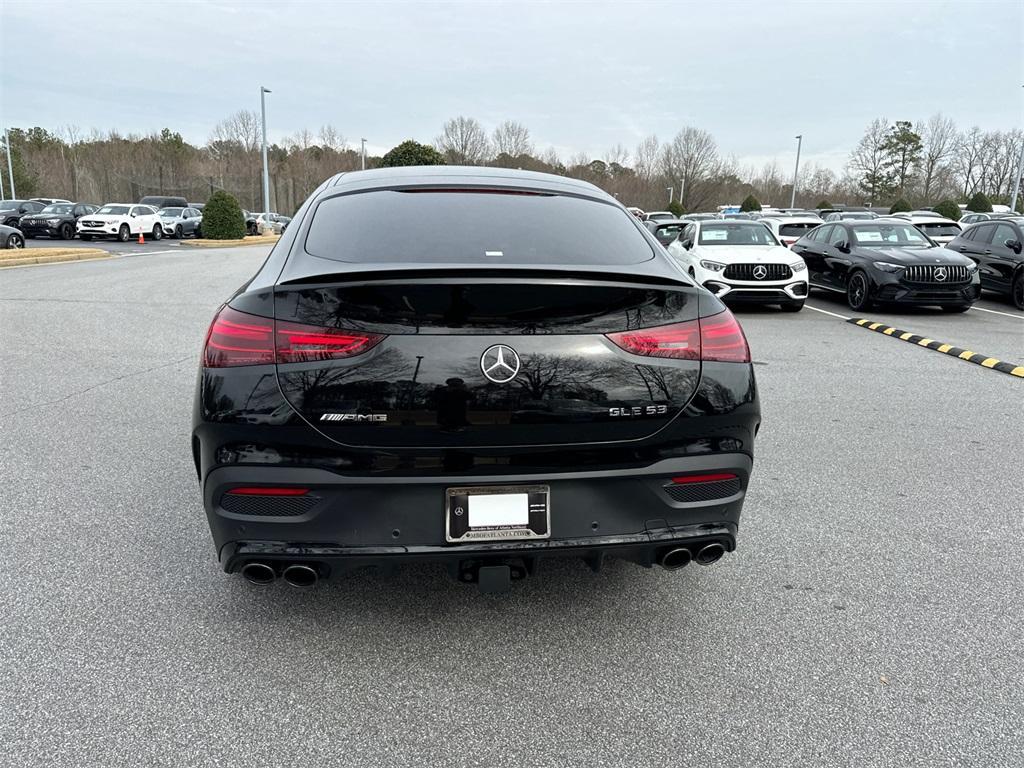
988 253
962 248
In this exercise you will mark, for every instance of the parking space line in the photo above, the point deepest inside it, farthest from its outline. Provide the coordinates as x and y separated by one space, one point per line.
995 312
970 356
826 312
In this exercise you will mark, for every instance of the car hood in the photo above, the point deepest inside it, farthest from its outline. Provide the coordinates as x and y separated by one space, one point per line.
746 254
105 216
911 256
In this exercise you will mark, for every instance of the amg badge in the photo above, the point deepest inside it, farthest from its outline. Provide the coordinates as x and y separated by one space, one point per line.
354 417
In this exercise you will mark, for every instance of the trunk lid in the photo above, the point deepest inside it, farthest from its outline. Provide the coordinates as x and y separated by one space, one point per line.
491 359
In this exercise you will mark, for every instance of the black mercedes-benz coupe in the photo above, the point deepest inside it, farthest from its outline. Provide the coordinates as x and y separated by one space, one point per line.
480 367
889 261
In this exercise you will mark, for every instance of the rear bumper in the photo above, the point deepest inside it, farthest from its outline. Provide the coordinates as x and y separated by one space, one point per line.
349 522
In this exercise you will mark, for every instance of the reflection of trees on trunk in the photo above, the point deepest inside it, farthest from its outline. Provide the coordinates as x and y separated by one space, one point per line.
323 387
540 374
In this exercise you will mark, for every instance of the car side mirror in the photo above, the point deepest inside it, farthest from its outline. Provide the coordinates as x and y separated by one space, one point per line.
843 246
687 244
1013 245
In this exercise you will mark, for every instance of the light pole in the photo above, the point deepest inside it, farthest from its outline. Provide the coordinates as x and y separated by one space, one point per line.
266 173
363 152
670 190
1017 181
796 170
10 166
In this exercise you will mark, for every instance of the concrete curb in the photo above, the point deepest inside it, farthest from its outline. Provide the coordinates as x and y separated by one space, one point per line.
26 256
261 240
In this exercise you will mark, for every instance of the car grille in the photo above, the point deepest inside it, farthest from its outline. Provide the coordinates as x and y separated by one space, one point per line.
746 272
936 273
92 223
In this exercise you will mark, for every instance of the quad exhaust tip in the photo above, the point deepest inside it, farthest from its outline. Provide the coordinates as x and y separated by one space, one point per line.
300 575
258 573
675 559
712 553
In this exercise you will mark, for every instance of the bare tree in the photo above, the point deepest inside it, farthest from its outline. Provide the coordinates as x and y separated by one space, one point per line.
647 154
968 159
242 128
939 137
691 162
331 138
463 142
868 162
512 139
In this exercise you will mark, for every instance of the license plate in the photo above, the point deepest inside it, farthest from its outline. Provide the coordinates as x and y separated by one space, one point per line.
497 513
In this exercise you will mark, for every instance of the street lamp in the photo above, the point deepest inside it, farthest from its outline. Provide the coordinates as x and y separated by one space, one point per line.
363 152
266 173
10 167
796 171
670 190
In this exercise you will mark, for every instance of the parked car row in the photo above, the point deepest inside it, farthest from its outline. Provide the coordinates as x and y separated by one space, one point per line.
153 217
918 258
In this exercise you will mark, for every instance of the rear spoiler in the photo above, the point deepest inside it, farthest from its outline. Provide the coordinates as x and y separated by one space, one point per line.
455 272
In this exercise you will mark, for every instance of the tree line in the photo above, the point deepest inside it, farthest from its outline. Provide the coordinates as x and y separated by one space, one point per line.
923 162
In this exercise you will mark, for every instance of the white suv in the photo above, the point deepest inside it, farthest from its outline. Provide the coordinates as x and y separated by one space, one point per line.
121 221
742 260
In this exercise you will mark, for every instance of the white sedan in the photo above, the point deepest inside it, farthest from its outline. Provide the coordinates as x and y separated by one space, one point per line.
742 261
121 221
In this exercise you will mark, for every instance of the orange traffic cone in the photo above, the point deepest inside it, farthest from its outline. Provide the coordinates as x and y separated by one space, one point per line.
142 240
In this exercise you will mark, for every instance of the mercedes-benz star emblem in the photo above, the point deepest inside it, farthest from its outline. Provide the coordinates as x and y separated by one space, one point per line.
940 274
760 272
499 363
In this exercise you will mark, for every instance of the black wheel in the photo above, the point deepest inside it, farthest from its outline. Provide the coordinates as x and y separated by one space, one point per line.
955 307
858 292
792 306
124 233
179 233
198 232
1017 291
67 232
14 240
158 232
87 238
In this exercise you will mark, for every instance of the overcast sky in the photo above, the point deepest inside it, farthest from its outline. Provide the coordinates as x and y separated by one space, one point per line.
581 76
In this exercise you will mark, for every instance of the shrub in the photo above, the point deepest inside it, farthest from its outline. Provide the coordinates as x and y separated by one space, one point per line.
979 204
411 153
676 208
222 217
750 203
949 209
823 204
900 206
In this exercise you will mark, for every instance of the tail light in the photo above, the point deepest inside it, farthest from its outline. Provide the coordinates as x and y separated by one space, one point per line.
717 338
236 338
261 490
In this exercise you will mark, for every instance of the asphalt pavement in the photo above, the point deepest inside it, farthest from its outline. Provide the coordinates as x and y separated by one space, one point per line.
870 617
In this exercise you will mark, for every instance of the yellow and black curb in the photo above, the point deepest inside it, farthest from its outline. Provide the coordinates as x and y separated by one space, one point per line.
938 346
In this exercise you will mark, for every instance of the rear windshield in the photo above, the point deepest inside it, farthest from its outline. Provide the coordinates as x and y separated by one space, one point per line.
796 230
438 227
669 233
939 229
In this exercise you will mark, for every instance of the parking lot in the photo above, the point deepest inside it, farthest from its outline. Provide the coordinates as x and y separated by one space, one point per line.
131 248
870 616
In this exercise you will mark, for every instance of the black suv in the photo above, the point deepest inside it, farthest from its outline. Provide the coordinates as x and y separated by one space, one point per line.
517 372
11 211
56 220
996 248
